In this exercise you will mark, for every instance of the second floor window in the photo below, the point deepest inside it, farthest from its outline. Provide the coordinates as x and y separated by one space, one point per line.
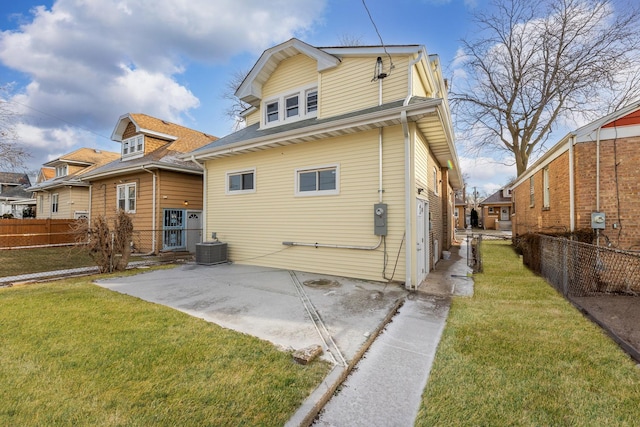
127 197
133 146
298 105
61 170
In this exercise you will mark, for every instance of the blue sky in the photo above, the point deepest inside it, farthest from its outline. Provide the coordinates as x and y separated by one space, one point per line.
75 66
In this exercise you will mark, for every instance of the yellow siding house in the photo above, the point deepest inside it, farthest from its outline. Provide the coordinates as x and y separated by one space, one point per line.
346 166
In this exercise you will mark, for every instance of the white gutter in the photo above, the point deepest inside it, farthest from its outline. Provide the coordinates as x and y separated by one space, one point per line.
153 210
572 190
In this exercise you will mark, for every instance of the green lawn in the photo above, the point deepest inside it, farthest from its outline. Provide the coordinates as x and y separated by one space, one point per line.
76 354
518 353
25 261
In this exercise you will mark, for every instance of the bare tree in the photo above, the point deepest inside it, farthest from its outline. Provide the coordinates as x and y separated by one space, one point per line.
237 106
346 40
12 156
536 64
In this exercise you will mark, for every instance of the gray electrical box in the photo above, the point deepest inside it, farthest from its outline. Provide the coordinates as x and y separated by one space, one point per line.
380 219
598 220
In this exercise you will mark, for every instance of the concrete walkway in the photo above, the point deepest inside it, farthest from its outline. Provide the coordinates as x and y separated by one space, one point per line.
385 387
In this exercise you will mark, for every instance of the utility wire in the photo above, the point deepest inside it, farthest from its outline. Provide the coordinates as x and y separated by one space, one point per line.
59 118
375 27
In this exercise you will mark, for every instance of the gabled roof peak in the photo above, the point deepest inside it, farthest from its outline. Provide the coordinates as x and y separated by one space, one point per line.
250 90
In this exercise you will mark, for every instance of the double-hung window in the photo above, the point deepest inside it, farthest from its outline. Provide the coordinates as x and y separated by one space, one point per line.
532 194
127 197
54 203
317 181
545 184
241 181
291 105
301 103
61 170
133 147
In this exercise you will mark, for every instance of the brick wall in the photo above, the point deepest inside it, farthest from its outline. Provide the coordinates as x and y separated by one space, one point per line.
623 192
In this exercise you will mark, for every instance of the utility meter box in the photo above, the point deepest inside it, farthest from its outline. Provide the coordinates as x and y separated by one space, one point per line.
598 220
380 219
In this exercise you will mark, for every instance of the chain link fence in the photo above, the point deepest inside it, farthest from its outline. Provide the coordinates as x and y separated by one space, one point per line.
579 269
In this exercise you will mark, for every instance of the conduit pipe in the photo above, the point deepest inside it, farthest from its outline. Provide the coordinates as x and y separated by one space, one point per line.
572 190
325 245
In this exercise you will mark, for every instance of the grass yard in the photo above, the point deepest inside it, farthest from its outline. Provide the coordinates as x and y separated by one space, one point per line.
518 353
25 261
76 354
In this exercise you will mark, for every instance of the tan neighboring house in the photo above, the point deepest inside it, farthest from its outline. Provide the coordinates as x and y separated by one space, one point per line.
149 180
496 210
589 180
347 164
65 195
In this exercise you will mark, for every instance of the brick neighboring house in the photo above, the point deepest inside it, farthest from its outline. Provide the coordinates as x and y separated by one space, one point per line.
149 180
496 210
589 179
65 196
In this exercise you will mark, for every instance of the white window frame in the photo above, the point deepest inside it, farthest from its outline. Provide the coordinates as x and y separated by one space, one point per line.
62 170
532 192
435 181
332 192
545 186
133 147
281 116
55 203
229 174
127 199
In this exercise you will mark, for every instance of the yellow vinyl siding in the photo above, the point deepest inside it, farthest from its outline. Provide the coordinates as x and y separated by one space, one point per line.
253 118
256 224
353 76
294 72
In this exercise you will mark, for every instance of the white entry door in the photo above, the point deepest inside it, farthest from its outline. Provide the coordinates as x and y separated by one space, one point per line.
194 229
422 239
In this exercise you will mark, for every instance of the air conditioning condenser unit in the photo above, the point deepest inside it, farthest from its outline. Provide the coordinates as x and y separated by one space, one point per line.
209 253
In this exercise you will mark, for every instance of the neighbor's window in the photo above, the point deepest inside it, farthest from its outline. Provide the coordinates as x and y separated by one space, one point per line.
54 203
317 181
241 181
545 185
41 203
532 198
133 147
127 197
435 181
491 209
61 170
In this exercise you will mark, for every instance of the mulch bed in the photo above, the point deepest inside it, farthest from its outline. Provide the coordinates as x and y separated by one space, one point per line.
618 315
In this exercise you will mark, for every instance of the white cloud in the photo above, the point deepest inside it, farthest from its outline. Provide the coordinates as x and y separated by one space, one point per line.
91 61
485 173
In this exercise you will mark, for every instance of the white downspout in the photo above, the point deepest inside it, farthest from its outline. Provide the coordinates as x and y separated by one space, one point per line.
598 180
408 194
572 190
204 196
153 211
90 202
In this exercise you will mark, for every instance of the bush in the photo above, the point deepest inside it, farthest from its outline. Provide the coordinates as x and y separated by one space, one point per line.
109 247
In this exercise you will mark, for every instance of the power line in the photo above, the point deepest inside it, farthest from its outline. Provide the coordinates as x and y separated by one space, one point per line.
375 27
59 118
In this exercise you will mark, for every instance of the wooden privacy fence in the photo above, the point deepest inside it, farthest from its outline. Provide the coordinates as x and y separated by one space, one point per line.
36 232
